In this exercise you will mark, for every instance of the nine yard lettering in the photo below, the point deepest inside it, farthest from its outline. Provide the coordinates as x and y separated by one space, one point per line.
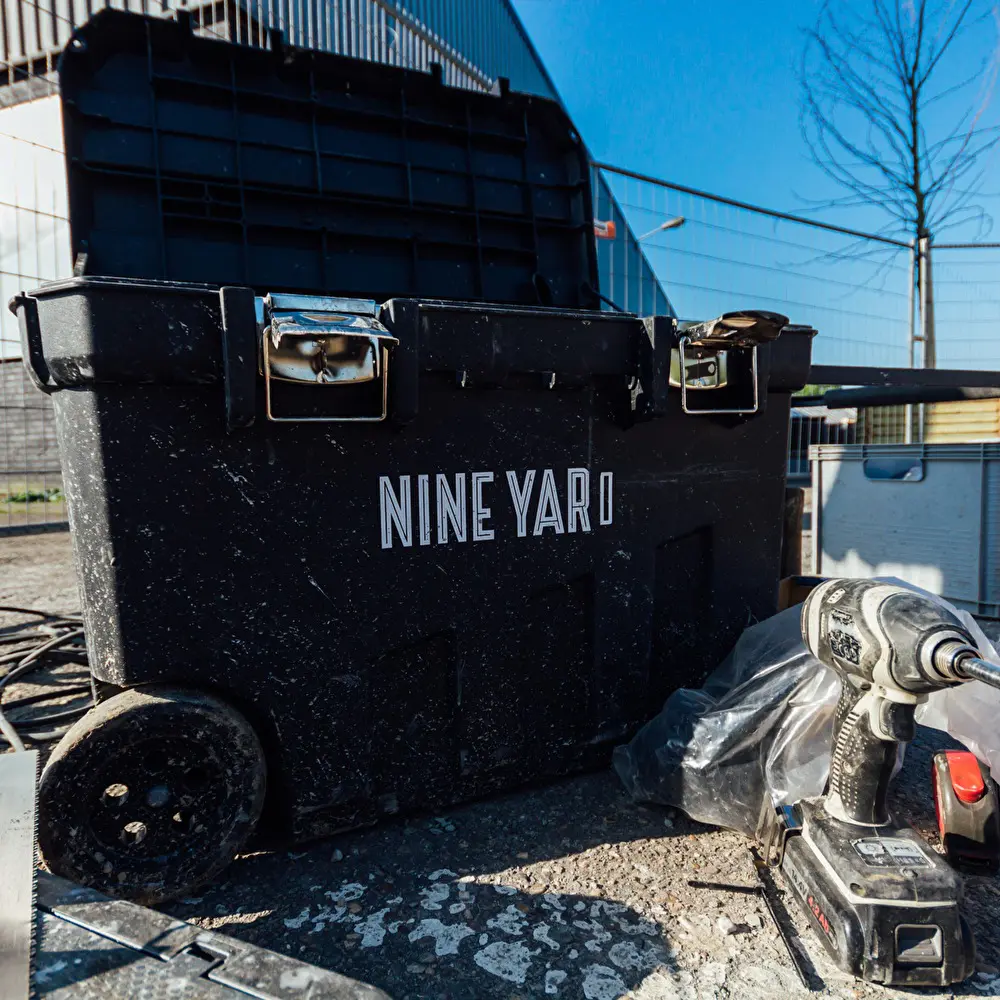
443 509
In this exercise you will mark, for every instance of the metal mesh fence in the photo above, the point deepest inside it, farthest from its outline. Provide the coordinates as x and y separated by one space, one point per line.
811 425
966 283
725 256
34 247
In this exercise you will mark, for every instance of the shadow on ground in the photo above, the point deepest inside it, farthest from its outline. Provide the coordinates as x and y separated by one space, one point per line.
564 891
567 891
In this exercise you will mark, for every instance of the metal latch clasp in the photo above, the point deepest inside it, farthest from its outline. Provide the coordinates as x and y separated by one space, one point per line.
319 341
709 355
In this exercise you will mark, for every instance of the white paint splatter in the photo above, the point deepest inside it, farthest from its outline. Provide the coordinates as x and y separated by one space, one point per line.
541 933
483 938
44 975
447 937
551 903
573 953
347 893
580 907
373 929
235 476
440 874
642 927
296 922
600 938
553 980
602 983
396 924
627 956
456 907
505 890
395 901
435 895
512 921
507 960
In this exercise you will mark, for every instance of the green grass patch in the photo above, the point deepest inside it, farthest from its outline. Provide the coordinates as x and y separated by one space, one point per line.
53 495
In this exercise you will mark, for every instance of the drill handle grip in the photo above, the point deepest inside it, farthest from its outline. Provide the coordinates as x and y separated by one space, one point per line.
863 760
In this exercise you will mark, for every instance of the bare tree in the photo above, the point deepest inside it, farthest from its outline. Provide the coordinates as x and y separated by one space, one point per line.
872 71
893 109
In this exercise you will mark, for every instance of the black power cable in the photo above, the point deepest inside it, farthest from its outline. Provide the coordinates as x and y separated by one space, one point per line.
54 641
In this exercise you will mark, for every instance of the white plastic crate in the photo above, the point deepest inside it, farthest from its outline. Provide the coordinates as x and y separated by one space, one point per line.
928 514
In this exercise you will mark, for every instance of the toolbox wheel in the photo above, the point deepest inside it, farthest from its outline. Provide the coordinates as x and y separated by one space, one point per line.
150 794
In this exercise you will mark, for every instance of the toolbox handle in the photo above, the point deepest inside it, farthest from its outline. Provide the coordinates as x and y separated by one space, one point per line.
654 364
239 355
31 344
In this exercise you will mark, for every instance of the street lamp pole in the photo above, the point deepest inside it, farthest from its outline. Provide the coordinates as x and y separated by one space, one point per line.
675 223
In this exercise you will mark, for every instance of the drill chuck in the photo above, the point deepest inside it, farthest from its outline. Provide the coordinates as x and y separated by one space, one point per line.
958 661
974 669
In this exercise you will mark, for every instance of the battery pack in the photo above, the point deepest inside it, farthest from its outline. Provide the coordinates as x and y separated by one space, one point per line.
965 797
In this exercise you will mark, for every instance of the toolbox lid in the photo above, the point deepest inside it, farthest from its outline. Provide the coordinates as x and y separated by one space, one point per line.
191 159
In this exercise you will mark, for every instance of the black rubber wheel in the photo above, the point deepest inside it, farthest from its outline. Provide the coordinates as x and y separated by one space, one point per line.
150 794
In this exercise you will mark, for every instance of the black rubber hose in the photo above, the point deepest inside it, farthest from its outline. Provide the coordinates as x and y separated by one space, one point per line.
35 699
895 395
46 720
51 639
11 609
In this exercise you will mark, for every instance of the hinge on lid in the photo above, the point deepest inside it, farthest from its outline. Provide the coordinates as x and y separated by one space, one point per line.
710 356
323 343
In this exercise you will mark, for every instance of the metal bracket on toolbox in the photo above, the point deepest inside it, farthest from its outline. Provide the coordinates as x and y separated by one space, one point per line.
711 371
705 356
320 341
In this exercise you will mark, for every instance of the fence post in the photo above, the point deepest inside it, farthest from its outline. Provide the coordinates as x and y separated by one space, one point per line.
927 304
908 429
926 318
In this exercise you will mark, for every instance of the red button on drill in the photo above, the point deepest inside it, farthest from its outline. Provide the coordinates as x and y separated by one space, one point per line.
966 777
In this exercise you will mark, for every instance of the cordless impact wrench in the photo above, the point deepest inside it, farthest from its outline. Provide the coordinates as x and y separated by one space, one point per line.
887 908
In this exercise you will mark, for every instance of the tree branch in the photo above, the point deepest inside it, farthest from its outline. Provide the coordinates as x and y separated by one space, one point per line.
869 72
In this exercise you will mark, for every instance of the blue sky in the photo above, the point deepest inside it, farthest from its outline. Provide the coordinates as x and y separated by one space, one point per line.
699 93
706 94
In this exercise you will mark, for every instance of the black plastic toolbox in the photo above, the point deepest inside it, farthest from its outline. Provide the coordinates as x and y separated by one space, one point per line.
495 584
404 550
288 170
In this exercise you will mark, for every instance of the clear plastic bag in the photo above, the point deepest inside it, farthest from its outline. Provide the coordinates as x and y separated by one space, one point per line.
764 721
